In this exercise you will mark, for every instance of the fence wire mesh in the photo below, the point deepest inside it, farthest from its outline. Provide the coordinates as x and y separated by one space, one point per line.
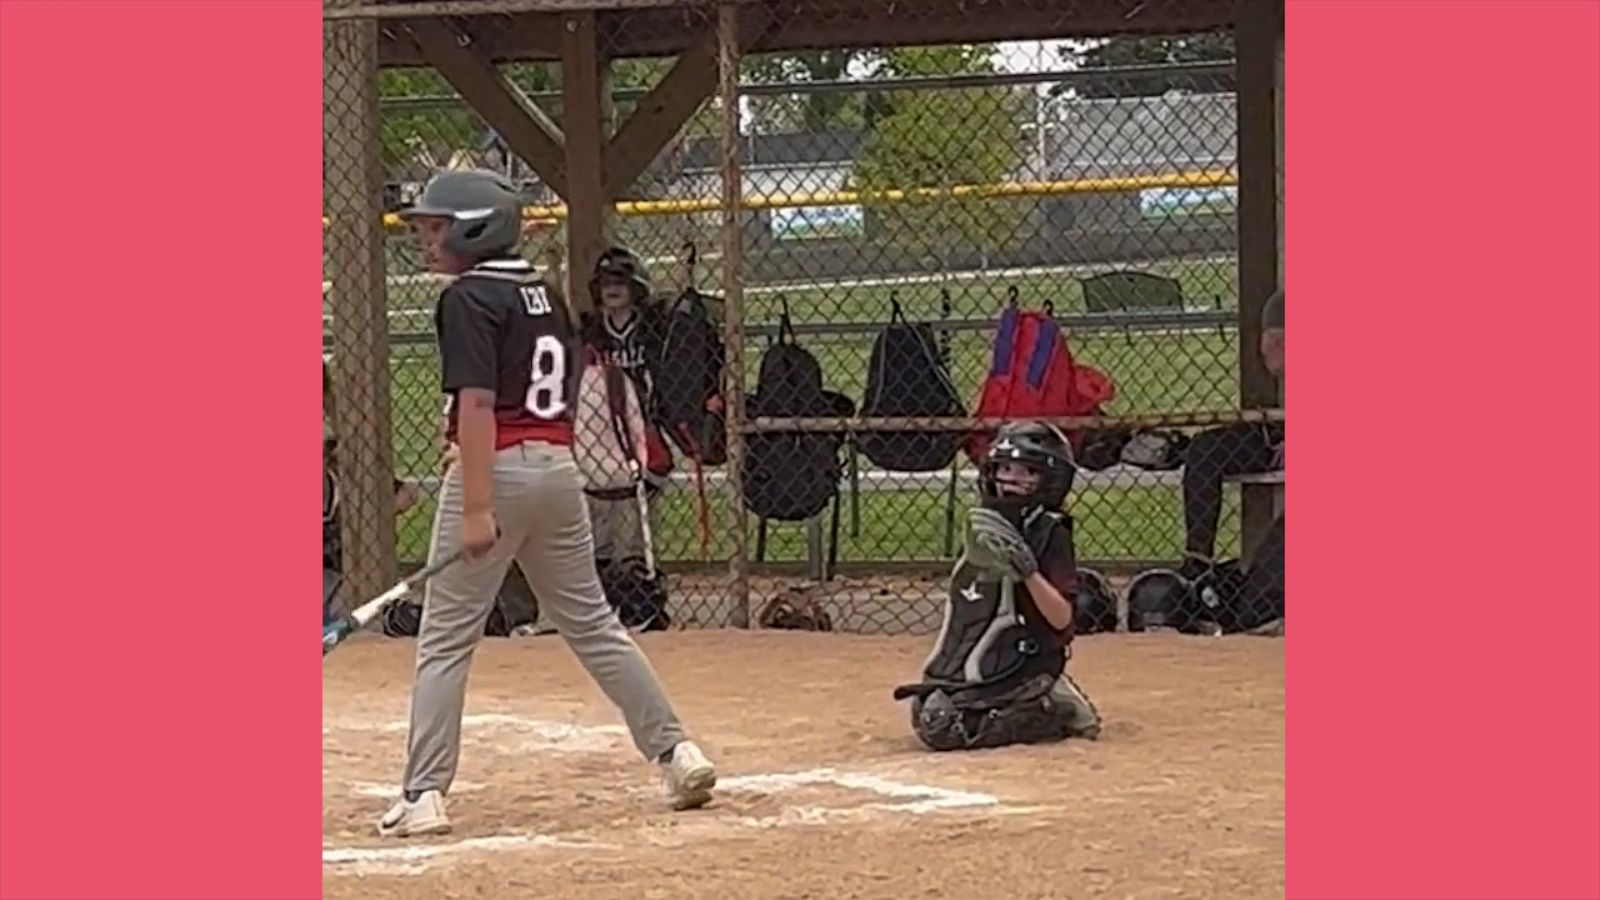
898 200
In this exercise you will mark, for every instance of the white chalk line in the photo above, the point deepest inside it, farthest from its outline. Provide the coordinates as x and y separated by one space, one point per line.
541 734
916 799
410 855
895 797
392 791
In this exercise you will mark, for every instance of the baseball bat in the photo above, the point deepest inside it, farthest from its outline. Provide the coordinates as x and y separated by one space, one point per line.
335 634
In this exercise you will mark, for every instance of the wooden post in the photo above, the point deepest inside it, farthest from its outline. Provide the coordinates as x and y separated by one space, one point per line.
585 116
353 188
733 306
1259 29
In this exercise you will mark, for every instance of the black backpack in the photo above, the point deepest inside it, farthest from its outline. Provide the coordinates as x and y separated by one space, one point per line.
688 374
790 477
908 376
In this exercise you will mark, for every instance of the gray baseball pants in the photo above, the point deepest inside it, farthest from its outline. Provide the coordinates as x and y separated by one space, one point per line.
544 526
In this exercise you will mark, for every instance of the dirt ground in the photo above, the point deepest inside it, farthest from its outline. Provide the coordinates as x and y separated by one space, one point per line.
825 794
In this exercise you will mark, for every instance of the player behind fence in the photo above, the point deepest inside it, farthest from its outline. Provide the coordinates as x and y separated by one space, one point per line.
998 672
625 330
508 358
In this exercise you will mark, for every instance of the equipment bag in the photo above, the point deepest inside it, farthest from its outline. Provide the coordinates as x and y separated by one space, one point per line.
1033 376
908 376
791 476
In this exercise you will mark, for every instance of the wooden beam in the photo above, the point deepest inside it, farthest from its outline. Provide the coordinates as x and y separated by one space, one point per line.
660 31
524 127
659 116
1260 24
585 102
353 191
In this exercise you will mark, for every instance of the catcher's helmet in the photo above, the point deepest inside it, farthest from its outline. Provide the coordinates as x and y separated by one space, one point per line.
620 262
483 208
1158 598
1095 608
1040 448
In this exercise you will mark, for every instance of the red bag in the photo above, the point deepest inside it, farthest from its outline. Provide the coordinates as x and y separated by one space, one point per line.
1034 376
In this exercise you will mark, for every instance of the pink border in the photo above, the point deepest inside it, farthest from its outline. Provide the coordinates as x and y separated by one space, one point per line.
1443 192
160 275
1450 754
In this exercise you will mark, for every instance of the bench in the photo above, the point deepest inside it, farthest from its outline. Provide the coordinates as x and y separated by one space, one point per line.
1273 480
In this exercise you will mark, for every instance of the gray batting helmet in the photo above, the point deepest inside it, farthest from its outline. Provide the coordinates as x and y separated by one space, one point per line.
483 208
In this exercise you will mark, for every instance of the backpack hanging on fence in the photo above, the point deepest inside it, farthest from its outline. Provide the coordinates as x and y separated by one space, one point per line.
908 376
609 460
688 392
1032 375
791 477
688 375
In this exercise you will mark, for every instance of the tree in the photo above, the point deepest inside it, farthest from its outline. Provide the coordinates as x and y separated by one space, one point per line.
1216 46
938 139
806 112
431 134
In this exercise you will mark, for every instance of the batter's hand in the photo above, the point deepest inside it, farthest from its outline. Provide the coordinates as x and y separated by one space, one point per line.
452 453
478 533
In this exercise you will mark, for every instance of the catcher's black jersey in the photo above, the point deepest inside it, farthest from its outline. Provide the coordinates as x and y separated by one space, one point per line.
992 631
501 328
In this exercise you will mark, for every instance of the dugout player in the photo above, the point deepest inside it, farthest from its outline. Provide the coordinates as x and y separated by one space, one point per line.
998 672
624 331
509 362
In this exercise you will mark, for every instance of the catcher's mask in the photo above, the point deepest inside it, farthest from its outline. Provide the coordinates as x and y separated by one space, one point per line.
1039 448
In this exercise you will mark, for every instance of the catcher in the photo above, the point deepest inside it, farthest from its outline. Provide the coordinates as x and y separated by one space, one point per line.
998 674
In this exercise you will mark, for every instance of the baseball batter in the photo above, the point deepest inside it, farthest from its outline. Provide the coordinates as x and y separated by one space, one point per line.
508 356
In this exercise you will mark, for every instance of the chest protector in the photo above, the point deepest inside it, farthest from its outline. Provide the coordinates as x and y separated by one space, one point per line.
992 638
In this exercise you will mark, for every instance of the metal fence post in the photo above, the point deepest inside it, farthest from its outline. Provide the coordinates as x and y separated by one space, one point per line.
733 295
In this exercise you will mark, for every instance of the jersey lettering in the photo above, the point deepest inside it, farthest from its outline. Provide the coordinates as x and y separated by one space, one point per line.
546 397
536 300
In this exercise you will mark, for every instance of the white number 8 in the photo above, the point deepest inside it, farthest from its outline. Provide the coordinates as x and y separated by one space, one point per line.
547 390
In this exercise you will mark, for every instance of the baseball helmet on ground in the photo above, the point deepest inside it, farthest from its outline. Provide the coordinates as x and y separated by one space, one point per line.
1095 609
1158 598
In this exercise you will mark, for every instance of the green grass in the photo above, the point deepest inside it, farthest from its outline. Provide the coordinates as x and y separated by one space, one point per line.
1140 522
1154 372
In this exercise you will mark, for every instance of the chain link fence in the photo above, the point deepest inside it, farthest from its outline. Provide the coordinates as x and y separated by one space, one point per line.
902 202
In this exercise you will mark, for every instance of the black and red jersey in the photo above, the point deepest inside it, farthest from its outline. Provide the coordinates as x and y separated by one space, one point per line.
633 346
502 328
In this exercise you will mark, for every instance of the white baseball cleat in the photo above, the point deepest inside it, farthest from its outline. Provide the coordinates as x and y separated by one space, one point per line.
688 778
424 816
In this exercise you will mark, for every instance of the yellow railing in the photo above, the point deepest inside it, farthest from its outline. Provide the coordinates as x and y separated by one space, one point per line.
551 214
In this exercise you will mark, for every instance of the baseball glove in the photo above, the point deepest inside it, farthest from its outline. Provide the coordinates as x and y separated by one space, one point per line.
997 546
795 612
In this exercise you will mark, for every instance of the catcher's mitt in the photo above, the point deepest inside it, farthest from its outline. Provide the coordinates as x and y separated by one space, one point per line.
794 612
997 546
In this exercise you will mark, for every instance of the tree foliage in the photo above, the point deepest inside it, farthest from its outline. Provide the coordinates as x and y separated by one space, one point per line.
941 138
1216 46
